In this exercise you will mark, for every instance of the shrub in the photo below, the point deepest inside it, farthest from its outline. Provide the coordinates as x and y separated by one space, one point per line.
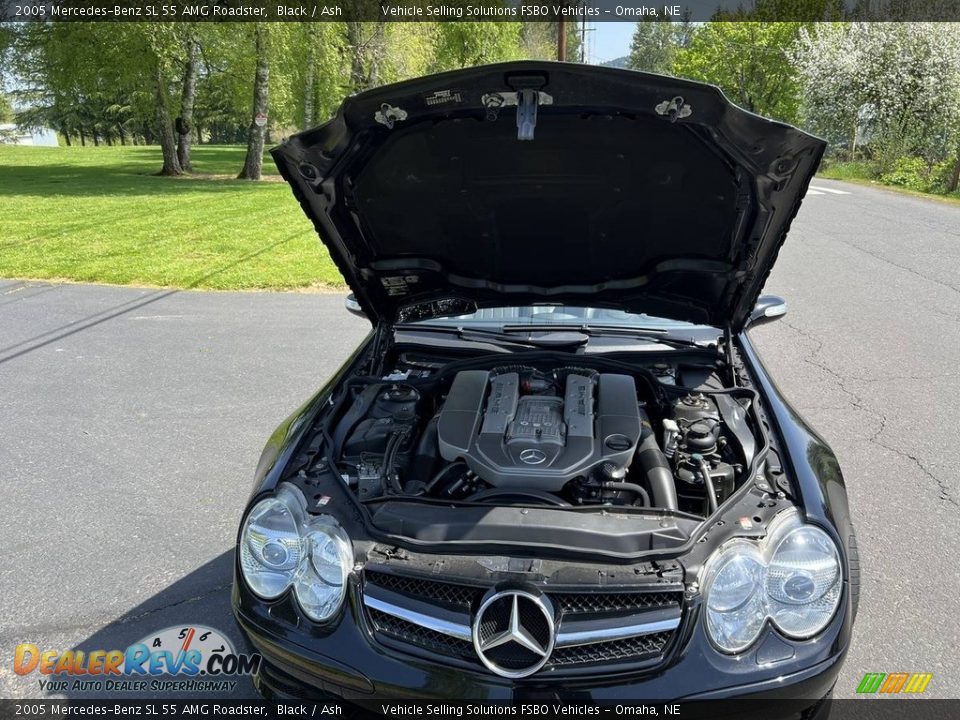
910 172
940 175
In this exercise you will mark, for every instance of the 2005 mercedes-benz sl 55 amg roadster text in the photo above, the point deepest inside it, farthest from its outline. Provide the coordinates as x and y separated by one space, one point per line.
556 464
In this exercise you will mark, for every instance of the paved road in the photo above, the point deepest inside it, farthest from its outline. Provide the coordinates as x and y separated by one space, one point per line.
132 420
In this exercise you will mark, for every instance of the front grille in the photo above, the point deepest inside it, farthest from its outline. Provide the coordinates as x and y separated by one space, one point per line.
635 649
420 636
420 588
463 600
615 602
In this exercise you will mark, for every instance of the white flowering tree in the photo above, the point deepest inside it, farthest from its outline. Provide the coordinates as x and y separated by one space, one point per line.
897 84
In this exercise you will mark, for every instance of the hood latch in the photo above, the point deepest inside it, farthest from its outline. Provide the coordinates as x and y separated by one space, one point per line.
527 101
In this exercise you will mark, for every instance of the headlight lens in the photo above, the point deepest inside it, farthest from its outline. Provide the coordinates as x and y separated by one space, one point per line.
792 577
271 548
322 582
803 582
281 546
735 611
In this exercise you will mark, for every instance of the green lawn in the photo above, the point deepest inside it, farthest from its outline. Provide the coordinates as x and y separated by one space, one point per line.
98 214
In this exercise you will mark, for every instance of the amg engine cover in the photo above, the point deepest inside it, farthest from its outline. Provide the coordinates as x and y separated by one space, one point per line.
514 440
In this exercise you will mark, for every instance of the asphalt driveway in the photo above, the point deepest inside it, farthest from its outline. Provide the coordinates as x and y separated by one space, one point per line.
131 421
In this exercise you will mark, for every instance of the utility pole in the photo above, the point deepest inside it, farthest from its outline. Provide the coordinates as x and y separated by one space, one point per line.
583 39
562 35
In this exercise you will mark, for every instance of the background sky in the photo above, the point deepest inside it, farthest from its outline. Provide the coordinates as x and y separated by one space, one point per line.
608 40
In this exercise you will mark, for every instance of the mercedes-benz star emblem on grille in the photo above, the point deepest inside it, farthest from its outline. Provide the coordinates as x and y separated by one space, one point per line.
513 633
532 456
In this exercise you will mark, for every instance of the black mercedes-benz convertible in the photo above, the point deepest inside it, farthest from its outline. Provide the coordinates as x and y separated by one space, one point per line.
556 465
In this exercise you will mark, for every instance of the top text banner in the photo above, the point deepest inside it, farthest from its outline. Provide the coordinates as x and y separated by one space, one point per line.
475 10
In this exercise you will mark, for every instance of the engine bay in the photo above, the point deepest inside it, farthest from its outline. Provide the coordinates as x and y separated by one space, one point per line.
537 432
517 428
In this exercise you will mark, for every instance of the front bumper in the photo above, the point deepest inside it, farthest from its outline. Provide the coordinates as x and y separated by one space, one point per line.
303 660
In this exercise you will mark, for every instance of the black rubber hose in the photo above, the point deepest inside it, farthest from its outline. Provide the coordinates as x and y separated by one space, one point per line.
630 488
425 456
442 475
655 467
389 460
708 484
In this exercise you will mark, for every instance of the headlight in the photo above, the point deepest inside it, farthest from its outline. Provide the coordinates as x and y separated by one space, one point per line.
792 578
735 611
271 549
281 546
322 582
803 581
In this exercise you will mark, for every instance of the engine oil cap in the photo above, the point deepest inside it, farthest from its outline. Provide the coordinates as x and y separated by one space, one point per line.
618 443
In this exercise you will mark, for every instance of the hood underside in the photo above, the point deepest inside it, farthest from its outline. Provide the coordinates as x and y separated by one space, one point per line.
539 182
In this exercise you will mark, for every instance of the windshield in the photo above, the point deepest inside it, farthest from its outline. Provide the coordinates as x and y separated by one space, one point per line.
538 315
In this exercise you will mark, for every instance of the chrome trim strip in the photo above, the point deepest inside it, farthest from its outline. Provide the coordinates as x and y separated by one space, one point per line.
446 627
564 638
622 632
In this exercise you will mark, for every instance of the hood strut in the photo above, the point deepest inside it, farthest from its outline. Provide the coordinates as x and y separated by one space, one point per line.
728 346
527 102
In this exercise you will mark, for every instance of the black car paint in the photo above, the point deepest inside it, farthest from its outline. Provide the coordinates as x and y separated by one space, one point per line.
360 668
714 280
341 657
813 467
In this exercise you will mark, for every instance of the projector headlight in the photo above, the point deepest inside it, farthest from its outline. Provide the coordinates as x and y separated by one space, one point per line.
735 611
281 546
791 578
322 582
803 581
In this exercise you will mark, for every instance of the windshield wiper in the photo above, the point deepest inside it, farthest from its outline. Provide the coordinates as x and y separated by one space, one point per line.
553 337
658 335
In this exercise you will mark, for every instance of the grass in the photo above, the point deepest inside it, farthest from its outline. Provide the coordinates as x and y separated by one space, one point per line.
855 170
98 214
862 173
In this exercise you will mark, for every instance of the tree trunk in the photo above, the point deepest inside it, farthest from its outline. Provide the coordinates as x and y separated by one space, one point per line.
261 87
185 121
66 137
309 78
168 145
366 56
378 48
955 176
355 41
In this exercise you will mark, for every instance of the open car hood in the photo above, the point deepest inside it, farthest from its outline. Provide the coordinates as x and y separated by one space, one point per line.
535 182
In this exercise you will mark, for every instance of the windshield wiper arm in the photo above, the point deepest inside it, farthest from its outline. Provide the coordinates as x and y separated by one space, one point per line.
658 335
554 338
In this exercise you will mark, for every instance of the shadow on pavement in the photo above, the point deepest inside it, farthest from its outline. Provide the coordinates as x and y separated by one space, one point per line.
36 342
200 598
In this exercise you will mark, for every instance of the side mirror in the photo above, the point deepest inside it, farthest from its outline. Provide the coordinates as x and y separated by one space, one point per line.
767 309
353 307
